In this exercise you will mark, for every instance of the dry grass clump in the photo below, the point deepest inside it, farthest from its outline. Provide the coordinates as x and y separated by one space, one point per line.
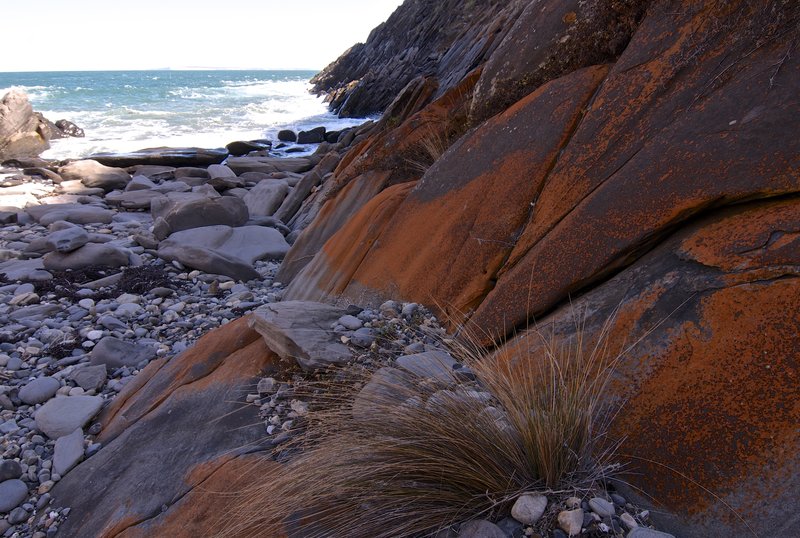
400 455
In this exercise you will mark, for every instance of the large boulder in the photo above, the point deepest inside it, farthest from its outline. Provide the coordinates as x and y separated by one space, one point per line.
266 197
22 132
95 175
224 250
176 214
704 397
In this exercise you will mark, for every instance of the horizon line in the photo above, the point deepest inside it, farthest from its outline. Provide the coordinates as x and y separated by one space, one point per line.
182 68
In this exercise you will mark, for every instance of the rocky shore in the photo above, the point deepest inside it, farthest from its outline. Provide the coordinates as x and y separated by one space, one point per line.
107 268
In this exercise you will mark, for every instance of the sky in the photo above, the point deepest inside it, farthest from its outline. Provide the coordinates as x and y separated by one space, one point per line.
75 35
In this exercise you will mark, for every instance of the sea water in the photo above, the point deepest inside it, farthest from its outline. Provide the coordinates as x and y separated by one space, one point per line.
123 111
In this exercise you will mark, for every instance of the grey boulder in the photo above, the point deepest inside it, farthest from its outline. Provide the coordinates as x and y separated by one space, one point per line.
266 197
301 331
67 239
62 416
95 175
430 364
116 353
224 250
85 256
178 215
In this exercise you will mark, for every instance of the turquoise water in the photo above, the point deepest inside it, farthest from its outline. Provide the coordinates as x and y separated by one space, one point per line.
130 110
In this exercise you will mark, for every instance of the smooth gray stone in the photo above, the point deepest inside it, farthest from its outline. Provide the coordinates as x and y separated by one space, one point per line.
266 197
95 175
62 416
12 493
39 390
116 353
641 532
89 254
223 250
67 240
68 452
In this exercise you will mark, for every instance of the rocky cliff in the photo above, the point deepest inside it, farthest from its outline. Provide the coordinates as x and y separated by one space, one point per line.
637 156
635 162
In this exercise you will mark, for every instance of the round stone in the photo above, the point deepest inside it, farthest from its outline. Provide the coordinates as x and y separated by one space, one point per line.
12 493
39 390
528 508
601 507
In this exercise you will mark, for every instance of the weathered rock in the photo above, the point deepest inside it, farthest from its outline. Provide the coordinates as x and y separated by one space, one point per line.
179 215
700 143
300 331
85 256
68 452
62 416
95 175
456 206
115 353
133 199
9 470
223 250
22 133
266 197
178 157
571 521
529 508
162 490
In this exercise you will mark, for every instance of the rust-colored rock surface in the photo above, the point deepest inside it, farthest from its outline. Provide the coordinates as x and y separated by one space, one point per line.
331 270
331 217
167 440
447 240
691 117
708 389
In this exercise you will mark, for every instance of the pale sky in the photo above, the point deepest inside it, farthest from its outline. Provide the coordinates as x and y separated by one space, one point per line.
74 35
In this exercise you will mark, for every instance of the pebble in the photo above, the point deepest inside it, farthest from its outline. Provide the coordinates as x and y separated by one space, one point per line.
529 508
571 521
601 507
12 493
39 390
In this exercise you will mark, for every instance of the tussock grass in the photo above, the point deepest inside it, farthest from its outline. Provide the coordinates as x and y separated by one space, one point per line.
396 455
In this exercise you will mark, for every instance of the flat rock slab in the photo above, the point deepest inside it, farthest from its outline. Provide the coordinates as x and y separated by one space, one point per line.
301 331
24 269
438 365
177 425
133 199
224 250
164 157
297 165
95 175
68 452
62 416
74 213
88 255
116 353
184 211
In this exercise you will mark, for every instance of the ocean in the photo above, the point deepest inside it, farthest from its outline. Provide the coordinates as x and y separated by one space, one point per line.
124 111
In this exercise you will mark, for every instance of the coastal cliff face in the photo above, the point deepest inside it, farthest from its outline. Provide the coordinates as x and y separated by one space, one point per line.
638 158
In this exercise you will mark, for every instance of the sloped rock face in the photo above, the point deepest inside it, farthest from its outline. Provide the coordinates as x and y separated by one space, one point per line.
446 39
682 148
457 226
708 388
170 437
674 130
